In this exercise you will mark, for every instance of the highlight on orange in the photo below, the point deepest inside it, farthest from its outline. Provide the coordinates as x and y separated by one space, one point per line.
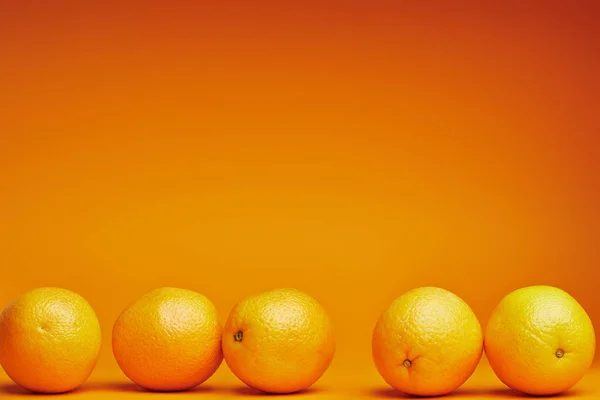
352 150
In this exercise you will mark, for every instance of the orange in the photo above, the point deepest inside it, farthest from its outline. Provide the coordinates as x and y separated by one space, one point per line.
50 340
168 340
539 340
427 343
280 341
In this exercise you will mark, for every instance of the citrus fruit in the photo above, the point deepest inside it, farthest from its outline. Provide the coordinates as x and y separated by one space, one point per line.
427 342
168 340
539 340
280 341
50 340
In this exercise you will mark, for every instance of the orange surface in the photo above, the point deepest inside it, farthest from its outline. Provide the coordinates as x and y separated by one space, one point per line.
354 150
336 384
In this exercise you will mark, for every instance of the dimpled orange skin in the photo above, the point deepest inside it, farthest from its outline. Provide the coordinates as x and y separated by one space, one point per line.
285 341
168 340
539 340
427 343
50 339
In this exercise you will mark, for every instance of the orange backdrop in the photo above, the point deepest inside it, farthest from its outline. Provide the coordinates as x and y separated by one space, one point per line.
353 150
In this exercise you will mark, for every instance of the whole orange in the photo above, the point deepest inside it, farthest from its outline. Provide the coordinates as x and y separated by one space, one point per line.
50 339
427 343
168 340
280 341
539 340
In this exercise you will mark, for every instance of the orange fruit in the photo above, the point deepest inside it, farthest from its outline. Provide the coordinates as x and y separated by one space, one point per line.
539 340
427 343
50 340
168 340
280 341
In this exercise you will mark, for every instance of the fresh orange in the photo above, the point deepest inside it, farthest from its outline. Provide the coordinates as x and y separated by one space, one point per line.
539 340
280 341
427 343
49 340
168 340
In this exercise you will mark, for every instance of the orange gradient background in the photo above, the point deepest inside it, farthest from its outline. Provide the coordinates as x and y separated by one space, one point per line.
354 150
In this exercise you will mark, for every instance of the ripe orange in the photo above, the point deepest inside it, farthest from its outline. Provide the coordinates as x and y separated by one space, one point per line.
539 340
168 340
280 341
50 340
427 343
